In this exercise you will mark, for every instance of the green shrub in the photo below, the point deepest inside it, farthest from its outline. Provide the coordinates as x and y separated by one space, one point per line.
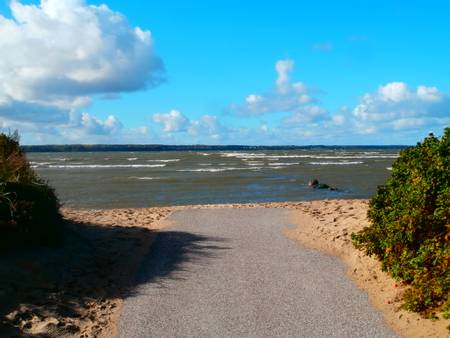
410 224
29 208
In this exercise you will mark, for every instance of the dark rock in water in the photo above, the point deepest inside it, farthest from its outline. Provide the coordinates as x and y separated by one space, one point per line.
316 185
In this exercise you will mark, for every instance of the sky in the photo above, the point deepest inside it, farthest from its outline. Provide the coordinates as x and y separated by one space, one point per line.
224 72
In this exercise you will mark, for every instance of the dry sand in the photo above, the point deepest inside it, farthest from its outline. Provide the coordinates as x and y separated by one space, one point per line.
77 290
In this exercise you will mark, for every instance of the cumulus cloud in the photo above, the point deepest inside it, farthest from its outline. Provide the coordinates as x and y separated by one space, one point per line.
173 121
394 112
283 68
306 115
94 126
396 106
286 96
207 126
56 55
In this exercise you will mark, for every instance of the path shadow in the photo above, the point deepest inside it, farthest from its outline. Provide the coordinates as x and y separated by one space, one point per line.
95 265
172 249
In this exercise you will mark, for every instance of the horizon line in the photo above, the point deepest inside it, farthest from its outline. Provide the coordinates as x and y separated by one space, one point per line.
153 145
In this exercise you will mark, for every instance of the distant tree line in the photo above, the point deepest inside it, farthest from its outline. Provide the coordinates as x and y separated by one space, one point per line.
159 147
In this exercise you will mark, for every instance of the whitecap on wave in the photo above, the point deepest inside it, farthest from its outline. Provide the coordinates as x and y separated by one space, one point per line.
254 163
343 156
337 157
145 178
165 161
62 159
336 163
35 165
243 155
278 164
213 170
105 166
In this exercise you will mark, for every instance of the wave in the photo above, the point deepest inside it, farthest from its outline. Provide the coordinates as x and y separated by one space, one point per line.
165 161
337 157
336 163
132 159
145 178
39 164
245 156
354 156
213 170
62 159
105 166
252 168
282 164
254 163
277 157
389 168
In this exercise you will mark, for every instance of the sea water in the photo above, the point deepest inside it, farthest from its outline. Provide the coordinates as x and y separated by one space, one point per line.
142 179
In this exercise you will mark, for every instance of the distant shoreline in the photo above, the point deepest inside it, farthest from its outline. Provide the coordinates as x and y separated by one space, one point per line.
161 147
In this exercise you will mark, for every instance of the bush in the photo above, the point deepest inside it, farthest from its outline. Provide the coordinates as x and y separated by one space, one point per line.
29 208
410 224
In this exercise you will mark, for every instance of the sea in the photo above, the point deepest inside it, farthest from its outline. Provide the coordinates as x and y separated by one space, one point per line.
98 180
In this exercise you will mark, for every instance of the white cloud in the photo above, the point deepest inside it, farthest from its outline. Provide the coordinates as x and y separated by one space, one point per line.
283 68
431 94
394 114
96 126
396 106
173 121
391 114
306 115
207 126
394 91
56 55
253 99
94 51
406 123
287 96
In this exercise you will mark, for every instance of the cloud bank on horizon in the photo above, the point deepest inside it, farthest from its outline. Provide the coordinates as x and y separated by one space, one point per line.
61 57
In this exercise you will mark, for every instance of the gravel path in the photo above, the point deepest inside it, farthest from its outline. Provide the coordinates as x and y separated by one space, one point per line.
232 273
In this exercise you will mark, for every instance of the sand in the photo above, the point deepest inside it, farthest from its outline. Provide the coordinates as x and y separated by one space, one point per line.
77 290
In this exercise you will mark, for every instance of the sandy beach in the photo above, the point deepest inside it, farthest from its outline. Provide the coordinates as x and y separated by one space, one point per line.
81 286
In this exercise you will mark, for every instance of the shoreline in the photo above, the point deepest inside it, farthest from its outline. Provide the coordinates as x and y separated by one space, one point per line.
323 225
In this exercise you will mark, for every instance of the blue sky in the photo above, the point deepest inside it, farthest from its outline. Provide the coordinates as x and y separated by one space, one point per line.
229 72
